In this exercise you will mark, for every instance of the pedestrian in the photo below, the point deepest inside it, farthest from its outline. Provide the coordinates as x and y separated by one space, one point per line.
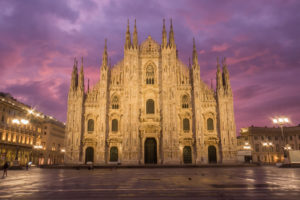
5 166
27 166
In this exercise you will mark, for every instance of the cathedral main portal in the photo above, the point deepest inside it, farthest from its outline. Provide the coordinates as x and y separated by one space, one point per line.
150 151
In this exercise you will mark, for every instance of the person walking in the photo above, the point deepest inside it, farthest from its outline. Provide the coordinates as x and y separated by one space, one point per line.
5 167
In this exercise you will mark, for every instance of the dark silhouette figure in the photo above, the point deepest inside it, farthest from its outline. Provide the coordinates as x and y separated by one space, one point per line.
5 167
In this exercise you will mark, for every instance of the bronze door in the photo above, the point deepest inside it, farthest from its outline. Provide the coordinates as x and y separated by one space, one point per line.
113 154
89 155
150 151
187 155
212 154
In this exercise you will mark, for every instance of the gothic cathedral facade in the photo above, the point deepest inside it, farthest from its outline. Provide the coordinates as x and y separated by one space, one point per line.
150 108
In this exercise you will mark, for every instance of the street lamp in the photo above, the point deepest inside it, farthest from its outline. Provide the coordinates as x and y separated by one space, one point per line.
268 144
281 121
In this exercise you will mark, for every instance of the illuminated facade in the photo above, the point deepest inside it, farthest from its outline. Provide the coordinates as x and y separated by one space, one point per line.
27 135
150 108
266 144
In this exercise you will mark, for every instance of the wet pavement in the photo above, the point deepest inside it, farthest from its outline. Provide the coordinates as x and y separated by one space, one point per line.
153 183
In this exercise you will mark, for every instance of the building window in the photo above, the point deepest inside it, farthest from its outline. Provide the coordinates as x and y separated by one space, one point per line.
291 137
255 138
150 106
90 125
186 124
115 103
185 101
150 75
257 147
210 124
276 137
262 137
269 138
114 125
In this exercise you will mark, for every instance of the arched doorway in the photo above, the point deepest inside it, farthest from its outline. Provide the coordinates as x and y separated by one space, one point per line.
113 154
150 151
212 154
187 155
89 154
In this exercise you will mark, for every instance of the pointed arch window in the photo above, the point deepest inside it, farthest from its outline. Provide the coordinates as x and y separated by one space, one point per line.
115 103
185 101
210 124
114 125
150 106
90 125
149 75
186 124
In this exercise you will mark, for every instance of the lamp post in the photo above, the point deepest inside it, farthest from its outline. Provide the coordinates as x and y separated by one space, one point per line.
281 121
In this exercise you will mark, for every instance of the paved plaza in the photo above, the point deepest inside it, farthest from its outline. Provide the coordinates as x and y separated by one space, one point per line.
153 183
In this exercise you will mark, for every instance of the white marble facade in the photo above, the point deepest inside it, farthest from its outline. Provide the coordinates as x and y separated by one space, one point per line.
150 108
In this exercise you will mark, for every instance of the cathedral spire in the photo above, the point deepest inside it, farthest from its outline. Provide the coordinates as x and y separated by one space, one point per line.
219 76
128 37
81 77
164 36
74 79
226 75
171 36
88 88
135 37
195 55
104 55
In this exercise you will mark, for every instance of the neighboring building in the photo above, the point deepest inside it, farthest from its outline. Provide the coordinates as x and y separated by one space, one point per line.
150 108
52 140
267 144
22 136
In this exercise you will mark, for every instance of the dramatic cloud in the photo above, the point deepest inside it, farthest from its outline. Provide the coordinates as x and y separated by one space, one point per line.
39 40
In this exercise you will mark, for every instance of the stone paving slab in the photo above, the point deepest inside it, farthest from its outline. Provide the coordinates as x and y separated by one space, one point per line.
153 183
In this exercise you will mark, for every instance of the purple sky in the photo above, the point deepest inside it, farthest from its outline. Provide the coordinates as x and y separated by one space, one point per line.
261 40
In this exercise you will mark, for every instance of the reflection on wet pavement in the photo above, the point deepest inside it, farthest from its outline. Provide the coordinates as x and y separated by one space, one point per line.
153 183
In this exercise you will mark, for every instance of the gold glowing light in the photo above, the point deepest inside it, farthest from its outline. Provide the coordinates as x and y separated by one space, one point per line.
16 121
24 121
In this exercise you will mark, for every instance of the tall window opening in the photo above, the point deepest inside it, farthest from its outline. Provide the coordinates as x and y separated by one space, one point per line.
186 124
115 103
150 75
210 124
90 125
150 106
185 101
114 125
